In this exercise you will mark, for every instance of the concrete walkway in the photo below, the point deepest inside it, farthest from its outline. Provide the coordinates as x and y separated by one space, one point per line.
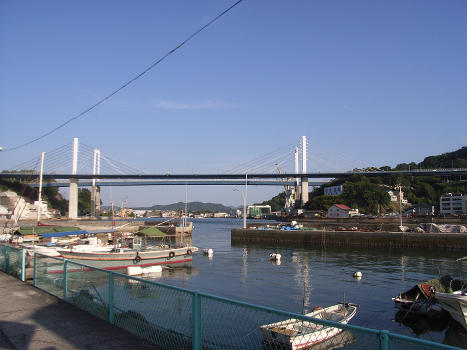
31 319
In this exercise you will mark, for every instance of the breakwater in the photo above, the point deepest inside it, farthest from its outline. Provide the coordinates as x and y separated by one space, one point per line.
319 238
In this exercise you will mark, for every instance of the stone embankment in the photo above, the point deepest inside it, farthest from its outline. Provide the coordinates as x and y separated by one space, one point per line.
320 238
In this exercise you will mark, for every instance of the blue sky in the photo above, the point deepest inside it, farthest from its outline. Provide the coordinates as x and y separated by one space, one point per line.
368 82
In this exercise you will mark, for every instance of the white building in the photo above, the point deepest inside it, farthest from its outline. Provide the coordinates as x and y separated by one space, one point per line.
341 211
394 194
452 205
18 208
3 210
16 205
334 190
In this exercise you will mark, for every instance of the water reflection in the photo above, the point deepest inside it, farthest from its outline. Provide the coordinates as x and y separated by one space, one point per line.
245 265
308 277
454 333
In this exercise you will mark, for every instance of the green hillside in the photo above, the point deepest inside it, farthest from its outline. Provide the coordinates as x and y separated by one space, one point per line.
191 207
368 194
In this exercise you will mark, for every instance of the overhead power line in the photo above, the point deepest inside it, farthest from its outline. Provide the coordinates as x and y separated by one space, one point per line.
127 83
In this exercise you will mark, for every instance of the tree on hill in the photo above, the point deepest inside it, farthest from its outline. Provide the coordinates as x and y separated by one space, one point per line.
277 202
84 202
322 202
455 159
361 193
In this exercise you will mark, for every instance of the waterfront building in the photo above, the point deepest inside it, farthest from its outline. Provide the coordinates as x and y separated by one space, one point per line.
44 210
420 210
258 211
334 190
341 211
4 210
394 195
450 204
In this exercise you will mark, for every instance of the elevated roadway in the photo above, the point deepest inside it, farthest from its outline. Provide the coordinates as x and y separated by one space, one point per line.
178 183
316 175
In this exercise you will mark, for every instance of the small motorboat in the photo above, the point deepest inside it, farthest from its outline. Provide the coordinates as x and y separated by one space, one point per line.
297 334
456 304
420 299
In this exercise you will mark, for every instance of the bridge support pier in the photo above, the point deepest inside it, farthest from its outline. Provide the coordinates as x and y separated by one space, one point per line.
304 193
95 201
73 194
73 199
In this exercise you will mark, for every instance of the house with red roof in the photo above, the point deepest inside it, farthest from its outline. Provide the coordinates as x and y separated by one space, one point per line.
341 211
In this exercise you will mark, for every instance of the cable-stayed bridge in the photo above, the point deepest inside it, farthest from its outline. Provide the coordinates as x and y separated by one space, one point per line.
60 168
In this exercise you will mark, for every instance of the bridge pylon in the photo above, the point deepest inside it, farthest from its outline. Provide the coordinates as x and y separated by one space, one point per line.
73 191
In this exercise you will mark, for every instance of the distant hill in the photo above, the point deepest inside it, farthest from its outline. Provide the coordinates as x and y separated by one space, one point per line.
191 206
367 193
455 159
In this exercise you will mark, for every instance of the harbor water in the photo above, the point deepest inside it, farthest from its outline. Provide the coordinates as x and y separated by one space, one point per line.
309 277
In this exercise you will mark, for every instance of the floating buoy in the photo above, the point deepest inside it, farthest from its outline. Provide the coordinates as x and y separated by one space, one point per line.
275 256
134 270
208 252
152 269
358 274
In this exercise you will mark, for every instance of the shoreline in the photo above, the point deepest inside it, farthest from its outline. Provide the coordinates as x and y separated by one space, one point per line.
381 239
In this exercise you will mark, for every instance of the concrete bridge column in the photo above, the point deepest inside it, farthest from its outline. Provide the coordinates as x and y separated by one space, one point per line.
96 190
98 201
73 199
73 193
95 201
304 191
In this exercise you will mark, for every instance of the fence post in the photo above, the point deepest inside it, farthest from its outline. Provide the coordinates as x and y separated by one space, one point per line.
384 340
196 317
65 279
23 265
34 273
5 262
111 298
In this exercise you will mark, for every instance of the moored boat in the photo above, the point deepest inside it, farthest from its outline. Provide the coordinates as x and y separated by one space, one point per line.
420 299
456 304
297 334
120 258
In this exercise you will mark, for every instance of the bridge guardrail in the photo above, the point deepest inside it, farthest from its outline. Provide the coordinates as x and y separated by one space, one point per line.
177 318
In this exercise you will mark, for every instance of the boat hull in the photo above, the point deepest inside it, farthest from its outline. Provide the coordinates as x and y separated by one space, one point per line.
456 305
123 259
295 334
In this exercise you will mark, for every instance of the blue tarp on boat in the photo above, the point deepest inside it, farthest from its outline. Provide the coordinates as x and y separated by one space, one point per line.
75 233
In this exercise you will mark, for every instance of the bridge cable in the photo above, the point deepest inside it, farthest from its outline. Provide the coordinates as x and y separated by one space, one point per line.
190 37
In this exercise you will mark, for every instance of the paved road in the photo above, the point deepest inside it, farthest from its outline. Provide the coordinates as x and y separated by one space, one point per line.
31 319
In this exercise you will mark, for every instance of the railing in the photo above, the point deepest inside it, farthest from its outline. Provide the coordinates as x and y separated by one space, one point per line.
176 318
13 261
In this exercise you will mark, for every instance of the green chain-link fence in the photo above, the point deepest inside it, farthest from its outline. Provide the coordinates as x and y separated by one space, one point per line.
13 261
176 318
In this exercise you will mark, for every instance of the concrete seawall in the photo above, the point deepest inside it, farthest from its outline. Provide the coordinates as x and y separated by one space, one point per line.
312 238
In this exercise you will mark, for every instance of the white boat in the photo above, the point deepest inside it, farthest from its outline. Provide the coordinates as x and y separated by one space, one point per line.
297 334
119 258
455 304
42 249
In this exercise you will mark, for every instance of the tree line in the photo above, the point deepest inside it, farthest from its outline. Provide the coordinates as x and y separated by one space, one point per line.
369 194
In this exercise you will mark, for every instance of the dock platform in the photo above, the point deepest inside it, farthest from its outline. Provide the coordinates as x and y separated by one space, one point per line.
31 319
320 238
